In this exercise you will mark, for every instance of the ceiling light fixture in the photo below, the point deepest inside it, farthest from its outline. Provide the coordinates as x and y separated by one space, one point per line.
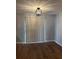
38 11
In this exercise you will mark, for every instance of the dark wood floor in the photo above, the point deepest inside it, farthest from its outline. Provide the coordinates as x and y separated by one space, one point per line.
48 50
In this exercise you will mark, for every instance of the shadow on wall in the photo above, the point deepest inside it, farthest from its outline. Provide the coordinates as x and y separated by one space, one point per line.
18 39
58 27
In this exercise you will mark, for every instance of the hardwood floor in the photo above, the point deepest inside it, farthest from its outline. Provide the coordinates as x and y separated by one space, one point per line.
48 50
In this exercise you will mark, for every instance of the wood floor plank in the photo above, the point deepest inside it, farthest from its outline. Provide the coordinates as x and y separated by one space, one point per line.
49 50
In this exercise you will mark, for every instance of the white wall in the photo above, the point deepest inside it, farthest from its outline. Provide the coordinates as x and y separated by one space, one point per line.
46 33
58 28
53 28
20 33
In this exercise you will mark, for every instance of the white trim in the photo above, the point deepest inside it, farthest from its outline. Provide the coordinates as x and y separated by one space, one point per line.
20 42
57 42
25 29
39 42
34 42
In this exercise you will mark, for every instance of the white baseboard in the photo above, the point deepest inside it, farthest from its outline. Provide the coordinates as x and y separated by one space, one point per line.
39 42
58 43
34 42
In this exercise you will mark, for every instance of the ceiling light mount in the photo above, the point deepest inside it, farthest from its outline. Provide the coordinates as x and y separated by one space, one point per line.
38 11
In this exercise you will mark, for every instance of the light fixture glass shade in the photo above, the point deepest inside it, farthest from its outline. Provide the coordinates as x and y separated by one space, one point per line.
38 12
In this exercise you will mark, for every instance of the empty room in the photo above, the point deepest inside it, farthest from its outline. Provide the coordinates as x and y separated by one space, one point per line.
38 29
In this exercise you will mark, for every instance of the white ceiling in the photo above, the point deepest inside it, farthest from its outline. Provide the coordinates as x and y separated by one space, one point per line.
30 6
